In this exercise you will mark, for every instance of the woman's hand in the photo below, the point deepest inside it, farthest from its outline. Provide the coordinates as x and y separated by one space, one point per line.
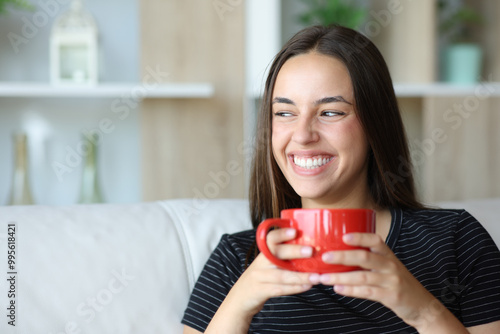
263 280
386 280
260 281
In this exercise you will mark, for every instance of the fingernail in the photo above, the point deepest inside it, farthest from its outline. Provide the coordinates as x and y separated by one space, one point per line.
314 278
325 278
348 237
290 232
327 257
338 288
306 251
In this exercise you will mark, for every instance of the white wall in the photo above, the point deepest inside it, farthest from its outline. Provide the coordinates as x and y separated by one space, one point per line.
54 125
262 42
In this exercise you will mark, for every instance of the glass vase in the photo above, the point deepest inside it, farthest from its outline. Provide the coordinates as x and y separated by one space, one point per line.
20 193
90 191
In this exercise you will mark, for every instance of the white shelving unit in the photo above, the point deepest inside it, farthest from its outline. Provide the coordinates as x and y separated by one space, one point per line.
41 110
54 118
167 90
445 89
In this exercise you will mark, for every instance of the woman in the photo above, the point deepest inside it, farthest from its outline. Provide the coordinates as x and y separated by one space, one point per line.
332 137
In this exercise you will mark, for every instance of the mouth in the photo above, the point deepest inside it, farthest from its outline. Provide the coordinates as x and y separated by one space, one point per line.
311 162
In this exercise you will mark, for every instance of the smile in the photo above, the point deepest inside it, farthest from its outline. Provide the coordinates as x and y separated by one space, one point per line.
311 163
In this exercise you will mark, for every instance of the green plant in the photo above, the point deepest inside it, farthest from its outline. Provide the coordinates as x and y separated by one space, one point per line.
325 12
457 25
19 4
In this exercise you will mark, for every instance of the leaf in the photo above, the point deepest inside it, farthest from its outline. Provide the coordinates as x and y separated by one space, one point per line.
458 24
326 12
18 4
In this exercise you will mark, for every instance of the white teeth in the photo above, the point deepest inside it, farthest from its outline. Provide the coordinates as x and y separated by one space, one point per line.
311 163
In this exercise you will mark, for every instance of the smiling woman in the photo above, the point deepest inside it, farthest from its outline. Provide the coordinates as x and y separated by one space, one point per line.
332 137
319 125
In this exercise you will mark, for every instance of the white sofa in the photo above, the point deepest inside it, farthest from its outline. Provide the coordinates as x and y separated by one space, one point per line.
121 268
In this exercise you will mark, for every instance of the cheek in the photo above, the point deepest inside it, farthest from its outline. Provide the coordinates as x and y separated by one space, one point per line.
356 132
358 139
279 142
352 138
274 142
277 139
275 145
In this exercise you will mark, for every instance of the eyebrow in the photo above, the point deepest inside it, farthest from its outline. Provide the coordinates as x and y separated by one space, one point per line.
323 100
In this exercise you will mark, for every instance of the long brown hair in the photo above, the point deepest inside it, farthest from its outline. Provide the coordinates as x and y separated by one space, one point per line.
390 179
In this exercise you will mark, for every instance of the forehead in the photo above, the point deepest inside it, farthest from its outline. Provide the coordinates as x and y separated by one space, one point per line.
313 74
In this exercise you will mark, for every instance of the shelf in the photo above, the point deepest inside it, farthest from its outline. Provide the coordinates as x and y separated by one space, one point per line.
482 89
405 90
111 90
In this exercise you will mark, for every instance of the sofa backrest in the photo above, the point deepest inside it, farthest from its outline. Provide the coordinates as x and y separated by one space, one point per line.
486 211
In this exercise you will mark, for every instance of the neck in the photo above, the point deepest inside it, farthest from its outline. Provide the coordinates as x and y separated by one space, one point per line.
365 203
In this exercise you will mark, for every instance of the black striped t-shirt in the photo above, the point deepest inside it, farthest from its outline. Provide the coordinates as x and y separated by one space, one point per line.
448 251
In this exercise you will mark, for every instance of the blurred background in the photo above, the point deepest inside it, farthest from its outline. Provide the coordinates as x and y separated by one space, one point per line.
172 111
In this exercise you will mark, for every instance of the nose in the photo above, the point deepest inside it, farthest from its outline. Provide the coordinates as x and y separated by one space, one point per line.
305 132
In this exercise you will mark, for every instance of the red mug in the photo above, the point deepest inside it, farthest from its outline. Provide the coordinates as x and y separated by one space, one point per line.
322 229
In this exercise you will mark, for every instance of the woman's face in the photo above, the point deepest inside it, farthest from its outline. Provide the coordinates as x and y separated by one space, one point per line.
317 139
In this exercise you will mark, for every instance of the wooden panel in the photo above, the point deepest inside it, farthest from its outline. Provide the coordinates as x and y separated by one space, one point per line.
411 112
190 147
460 148
405 33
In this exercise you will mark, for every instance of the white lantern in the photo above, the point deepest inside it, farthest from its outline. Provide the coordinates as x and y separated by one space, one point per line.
73 49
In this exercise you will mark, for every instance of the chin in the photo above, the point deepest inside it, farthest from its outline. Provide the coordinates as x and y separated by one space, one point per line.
312 195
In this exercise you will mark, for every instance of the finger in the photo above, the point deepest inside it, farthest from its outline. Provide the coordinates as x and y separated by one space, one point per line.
277 290
287 277
275 239
361 258
363 292
291 251
281 235
368 240
359 277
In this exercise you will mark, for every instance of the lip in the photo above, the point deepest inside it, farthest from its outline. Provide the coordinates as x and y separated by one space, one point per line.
310 154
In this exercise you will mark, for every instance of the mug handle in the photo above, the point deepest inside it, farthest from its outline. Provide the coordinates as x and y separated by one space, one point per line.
262 231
